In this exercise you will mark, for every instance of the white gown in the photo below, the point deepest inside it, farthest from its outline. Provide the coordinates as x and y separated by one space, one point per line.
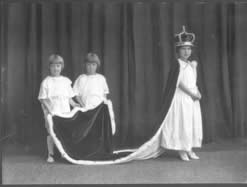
183 128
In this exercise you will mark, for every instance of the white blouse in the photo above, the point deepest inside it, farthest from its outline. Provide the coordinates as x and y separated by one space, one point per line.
57 91
91 89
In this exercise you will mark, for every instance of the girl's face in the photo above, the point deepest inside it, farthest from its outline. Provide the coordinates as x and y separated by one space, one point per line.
184 52
91 68
55 69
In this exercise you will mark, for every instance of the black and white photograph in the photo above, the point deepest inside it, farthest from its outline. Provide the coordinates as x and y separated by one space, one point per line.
123 92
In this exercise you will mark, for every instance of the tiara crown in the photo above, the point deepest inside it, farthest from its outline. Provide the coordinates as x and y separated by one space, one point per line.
184 38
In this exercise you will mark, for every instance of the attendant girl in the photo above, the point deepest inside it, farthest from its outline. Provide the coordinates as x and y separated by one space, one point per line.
91 89
55 96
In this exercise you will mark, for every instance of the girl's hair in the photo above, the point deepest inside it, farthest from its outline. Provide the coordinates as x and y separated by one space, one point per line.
54 58
92 58
179 47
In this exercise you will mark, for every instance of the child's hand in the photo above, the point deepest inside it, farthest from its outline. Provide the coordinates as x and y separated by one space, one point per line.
194 63
196 96
76 105
73 103
81 105
51 113
199 95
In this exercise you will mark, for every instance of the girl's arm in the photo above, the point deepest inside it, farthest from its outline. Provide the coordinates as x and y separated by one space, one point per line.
78 98
105 96
196 96
46 104
199 94
73 103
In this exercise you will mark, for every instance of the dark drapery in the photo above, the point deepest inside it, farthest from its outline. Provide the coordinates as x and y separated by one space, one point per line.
89 130
134 41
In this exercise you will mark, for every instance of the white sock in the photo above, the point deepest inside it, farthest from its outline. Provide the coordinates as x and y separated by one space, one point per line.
50 145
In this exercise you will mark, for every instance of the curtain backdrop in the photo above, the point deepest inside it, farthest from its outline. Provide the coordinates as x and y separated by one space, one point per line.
134 41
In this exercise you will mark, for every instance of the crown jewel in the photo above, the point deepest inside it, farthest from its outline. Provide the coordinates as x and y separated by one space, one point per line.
184 38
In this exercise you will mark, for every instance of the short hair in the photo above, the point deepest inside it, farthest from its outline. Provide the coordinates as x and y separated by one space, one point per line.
92 58
54 58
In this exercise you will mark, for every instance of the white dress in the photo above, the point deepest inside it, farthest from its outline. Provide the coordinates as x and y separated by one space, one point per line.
57 91
183 127
91 89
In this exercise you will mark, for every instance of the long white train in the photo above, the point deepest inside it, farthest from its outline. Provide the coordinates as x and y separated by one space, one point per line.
150 149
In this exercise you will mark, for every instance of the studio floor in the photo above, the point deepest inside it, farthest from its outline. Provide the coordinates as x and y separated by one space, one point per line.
221 162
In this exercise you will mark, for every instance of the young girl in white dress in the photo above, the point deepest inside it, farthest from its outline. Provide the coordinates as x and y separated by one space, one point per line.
183 129
91 89
55 96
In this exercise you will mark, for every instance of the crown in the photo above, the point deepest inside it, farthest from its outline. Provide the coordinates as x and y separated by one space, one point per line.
184 38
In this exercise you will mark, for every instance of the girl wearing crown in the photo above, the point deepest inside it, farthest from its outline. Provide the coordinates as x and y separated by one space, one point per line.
183 129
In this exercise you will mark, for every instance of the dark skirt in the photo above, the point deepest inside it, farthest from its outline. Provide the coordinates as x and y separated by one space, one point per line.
87 135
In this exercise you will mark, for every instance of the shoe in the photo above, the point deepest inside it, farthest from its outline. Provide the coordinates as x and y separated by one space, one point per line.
50 159
184 156
192 155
